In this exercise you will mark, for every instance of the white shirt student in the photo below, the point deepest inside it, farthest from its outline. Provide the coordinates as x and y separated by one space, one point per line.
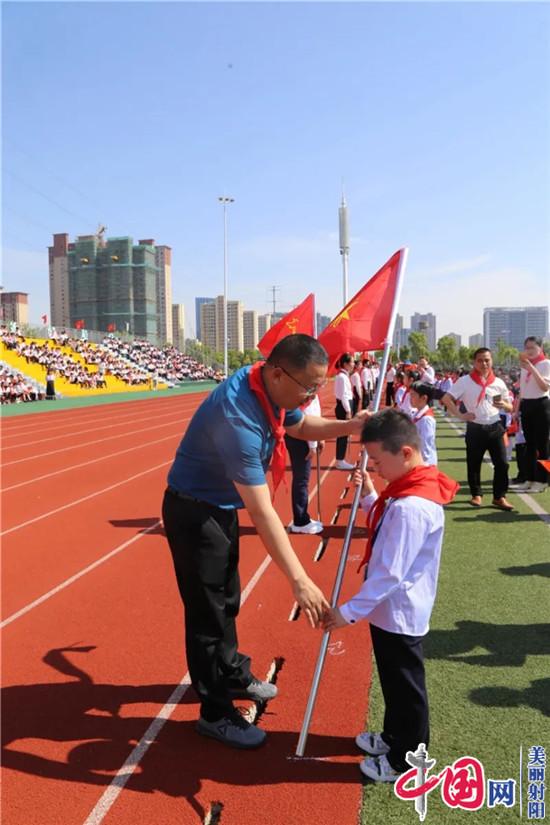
399 592
343 391
425 424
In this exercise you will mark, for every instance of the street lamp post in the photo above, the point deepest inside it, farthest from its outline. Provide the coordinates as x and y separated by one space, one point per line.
224 200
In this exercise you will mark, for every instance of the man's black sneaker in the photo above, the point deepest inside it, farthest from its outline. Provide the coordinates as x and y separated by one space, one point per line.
234 731
257 691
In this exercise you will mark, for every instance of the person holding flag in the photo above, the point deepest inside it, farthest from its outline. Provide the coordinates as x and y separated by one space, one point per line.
219 468
405 525
483 396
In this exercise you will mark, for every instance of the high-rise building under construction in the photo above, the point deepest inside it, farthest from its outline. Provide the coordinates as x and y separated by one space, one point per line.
111 285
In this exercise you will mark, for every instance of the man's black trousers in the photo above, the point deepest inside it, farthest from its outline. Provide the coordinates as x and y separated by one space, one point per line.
204 541
482 438
400 665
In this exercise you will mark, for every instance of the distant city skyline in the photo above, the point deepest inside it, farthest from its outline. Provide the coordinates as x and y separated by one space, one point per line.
430 147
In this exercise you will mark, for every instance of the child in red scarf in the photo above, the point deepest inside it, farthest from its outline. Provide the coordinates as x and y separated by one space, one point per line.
405 524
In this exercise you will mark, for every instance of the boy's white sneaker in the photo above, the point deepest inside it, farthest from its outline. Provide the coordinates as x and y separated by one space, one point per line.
523 487
371 743
536 487
378 768
344 465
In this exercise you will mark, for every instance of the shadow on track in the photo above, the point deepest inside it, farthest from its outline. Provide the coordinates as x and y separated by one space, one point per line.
106 731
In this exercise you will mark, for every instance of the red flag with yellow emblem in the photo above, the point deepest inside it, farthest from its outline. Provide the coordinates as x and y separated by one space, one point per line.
299 319
364 322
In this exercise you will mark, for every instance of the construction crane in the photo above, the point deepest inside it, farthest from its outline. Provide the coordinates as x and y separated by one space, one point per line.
100 234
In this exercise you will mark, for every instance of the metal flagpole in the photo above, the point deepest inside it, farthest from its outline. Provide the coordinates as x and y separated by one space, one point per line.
315 335
302 739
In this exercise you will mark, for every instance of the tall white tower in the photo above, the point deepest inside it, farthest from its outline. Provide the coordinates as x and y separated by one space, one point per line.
344 244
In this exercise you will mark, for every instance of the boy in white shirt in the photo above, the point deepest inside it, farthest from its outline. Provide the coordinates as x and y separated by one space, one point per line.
405 525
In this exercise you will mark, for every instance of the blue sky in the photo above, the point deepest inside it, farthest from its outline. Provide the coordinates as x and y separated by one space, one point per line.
138 115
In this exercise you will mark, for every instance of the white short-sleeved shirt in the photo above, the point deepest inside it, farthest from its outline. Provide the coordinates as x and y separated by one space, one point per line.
390 375
467 391
528 387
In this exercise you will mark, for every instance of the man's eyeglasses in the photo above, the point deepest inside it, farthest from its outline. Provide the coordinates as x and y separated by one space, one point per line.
309 391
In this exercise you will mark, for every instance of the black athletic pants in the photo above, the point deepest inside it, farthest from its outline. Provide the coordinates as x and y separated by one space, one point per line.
204 541
481 438
400 665
535 420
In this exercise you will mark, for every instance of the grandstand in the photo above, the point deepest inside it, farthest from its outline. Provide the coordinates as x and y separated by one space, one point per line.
82 368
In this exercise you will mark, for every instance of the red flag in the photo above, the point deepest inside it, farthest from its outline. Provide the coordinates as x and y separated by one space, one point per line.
364 322
299 319
111 327
79 324
44 319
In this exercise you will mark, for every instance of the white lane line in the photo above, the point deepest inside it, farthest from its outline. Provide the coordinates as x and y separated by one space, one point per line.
87 463
525 497
110 795
84 498
178 421
79 432
77 576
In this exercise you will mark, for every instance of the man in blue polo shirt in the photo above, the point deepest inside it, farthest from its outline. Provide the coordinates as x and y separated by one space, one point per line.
220 467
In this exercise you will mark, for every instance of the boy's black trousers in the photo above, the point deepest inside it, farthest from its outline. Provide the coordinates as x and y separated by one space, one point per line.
400 664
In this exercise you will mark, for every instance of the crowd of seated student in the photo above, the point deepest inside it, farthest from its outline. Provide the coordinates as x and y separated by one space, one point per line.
135 362
167 364
15 388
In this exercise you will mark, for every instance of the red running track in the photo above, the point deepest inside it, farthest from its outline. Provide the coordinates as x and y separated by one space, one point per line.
93 641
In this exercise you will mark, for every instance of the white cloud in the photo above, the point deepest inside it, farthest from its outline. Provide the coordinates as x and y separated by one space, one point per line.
464 265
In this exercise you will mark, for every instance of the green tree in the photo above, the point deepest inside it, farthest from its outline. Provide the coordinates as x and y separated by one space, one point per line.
447 354
465 355
404 353
418 344
504 355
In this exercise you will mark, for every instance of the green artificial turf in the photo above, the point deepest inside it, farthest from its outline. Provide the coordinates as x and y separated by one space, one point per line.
488 650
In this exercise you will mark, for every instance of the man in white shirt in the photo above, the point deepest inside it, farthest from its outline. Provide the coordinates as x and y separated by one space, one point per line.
405 525
483 396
